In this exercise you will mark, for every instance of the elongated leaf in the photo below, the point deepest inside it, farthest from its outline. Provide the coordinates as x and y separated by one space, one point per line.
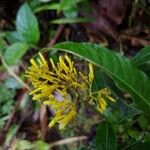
142 56
125 75
138 146
142 60
54 6
27 25
71 20
105 137
14 52
120 110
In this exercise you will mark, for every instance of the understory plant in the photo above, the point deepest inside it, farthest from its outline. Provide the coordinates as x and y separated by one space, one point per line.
62 86
69 78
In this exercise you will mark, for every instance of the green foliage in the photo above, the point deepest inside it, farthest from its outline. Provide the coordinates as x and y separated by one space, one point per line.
143 122
6 103
27 25
70 11
120 116
12 83
27 28
139 146
142 59
70 20
105 137
121 70
24 144
142 56
91 145
121 119
53 6
12 131
27 35
120 111
2 41
38 145
14 53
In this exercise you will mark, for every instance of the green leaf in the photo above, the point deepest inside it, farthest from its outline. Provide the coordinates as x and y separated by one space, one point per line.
2 121
40 145
12 83
143 122
2 41
67 4
100 79
14 36
125 75
27 25
142 56
105 137
6 103
5 94
138 146
53 6
120 112
142 60
15 52
11 133
24 144
71 13
71 20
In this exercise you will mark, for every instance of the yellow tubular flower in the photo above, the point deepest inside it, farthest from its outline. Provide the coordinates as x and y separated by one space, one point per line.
91 73
58 86
102 95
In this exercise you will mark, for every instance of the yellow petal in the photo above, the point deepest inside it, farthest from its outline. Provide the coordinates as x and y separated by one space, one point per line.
69 62
43 59
102 104
91 73
34 91
52 123
67 118
38 96
40 62
47 102
54 120
112 99
105 92
33 63
53 65
62 65
99 109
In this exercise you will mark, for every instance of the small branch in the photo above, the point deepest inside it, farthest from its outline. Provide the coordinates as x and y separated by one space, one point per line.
43 121
57 35
12 73
68 140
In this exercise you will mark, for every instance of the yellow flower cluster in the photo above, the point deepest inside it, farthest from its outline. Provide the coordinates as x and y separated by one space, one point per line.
60 86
